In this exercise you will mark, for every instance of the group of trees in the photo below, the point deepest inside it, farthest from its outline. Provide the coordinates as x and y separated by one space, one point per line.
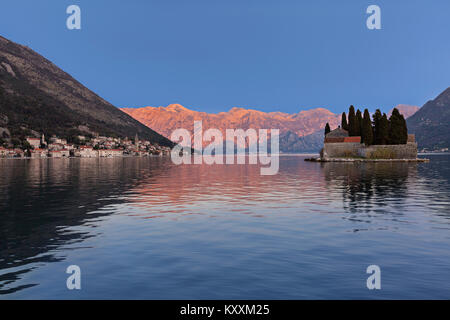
380 130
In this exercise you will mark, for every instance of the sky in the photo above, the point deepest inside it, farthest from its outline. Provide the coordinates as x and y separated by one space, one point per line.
269 55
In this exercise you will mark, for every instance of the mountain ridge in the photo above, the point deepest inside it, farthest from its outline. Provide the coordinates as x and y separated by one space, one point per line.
299 132
431 124
37 95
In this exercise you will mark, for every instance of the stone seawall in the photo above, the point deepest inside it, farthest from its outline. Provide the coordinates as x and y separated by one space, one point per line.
341 149
399 151
349 150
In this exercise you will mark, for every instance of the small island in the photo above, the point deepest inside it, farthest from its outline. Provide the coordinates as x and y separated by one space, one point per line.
361 139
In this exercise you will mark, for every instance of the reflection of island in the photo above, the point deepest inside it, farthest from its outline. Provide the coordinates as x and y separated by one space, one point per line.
369 186
43 202
40 199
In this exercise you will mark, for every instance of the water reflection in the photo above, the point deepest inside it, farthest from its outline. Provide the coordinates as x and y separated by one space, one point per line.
366 186
48 207
40 200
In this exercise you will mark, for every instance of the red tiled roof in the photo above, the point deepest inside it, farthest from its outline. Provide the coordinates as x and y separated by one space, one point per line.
342 139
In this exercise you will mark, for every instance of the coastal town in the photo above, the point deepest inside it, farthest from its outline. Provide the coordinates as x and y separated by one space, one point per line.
85 147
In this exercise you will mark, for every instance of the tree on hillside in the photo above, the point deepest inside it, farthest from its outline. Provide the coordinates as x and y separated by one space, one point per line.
352 128
383 132
327 129
344 124
26 145
376 126
398 132
367 130
359 123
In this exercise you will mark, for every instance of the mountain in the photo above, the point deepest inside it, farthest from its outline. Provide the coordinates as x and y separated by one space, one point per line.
299 132
406 110
37 96
431 123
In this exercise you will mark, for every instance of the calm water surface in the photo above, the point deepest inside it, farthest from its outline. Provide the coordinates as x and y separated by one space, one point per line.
143 228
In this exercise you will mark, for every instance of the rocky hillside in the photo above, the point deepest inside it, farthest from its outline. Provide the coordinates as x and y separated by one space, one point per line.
37 96
431 123
299 132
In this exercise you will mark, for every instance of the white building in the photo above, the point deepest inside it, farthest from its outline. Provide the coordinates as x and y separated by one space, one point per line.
38 153
87 152
34 142
110 153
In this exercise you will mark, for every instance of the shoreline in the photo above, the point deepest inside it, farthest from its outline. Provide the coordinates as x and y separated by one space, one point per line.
62 158
366 160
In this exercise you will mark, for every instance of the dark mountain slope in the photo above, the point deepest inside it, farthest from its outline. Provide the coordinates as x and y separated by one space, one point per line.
37 95
431 123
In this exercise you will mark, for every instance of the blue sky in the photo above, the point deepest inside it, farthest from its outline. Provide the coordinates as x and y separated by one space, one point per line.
266 54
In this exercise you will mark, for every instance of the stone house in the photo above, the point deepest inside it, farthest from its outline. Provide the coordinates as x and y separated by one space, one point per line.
86 152
59 153
109 153
38 153
34 142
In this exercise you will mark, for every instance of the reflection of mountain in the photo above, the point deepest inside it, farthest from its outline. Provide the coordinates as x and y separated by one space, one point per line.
40 200
299 132
45 206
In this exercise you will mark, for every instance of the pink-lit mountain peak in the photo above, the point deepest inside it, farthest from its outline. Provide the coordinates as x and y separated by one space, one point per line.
166 119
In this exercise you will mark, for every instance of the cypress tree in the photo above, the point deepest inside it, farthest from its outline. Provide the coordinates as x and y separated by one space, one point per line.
383 133
327 128
344 124
351 122
367 130
404 130
398 133
376 126
359 122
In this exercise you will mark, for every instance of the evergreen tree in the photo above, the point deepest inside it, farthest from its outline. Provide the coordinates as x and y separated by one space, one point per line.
404 130
359 123
383 133
376 126
344 124
351 122
327 129
398 132
367 130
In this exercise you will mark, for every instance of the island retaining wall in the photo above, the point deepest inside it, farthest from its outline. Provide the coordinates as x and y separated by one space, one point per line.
349 150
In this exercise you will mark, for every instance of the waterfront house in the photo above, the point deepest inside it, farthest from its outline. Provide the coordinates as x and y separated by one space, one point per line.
87 152
34 142
109 153
55 146
340 135
38 153
59 153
